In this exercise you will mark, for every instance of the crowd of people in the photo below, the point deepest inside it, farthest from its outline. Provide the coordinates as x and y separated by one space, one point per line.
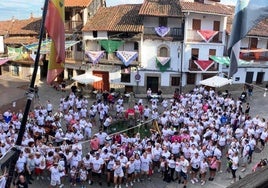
197 130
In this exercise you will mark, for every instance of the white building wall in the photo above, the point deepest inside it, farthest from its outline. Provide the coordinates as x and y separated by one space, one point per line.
206 21
89 35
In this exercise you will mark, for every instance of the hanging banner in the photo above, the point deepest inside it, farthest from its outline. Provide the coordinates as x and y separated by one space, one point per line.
204 65
127 56
4 60
207 35
15 53
94 56
163 63
111 46
162 30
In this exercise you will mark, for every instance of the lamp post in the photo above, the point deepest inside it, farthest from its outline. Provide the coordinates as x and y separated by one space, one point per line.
180 55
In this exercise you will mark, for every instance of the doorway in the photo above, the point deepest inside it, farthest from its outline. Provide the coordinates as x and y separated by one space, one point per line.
153 83
249 77
260 76
104 84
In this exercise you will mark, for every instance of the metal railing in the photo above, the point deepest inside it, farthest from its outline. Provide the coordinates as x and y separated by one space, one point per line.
174 32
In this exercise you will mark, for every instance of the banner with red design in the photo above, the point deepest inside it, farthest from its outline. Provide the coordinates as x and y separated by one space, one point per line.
207 35
204 65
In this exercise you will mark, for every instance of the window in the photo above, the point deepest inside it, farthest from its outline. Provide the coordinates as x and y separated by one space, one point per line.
253 42
125 74
15 70
163 21
95 34
136 46
212 52
195 53
79 46
196 25
163 52
175 81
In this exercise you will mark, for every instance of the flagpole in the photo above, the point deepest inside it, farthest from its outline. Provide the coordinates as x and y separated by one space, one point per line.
30 96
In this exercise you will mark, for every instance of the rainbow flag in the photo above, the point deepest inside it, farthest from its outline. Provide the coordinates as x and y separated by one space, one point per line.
55 27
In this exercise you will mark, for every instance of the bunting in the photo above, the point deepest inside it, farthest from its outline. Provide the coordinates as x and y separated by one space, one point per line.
162 30
127 56
204 65
110 46
94 56
207 35
15 53
4 60
163 63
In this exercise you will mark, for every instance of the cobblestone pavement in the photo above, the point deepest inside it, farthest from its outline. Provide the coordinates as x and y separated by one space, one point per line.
12 89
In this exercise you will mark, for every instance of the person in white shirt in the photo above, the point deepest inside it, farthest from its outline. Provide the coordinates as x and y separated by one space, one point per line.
55 176
195 164
184 164
130 168
118 173
97 166
235 160
145 165
263 138
203 170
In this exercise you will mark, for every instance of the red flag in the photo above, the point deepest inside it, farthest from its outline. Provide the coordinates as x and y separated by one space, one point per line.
55 28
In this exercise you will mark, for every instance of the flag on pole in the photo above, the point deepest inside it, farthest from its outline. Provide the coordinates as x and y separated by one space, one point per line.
248 14
55 27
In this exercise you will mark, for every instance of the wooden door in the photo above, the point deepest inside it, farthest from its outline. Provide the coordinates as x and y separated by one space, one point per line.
196 25
190 78
260 76
216 27
249 77
104 84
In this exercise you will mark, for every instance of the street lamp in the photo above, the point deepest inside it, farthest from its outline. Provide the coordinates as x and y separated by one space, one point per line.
180 55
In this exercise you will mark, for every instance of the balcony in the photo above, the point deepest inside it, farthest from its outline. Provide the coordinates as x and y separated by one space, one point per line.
193 36
175 32
193 67
248 55
74 56
71 26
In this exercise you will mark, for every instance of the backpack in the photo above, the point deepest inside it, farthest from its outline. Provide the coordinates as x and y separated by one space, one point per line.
250 152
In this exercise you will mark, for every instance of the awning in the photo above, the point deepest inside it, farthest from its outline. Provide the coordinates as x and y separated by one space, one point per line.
45 46
86 78
225 60
216 81
204 65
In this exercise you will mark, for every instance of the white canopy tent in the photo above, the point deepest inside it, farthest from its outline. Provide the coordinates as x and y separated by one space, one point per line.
216 81
86 78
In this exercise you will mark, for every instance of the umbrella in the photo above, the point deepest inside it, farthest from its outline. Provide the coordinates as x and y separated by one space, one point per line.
86 78
216 81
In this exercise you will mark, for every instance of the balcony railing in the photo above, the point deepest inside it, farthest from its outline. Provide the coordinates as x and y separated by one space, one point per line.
255 56
193 36
74 56
71 26
174 32
194 67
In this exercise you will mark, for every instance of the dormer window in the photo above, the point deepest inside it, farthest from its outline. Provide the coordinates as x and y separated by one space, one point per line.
163 21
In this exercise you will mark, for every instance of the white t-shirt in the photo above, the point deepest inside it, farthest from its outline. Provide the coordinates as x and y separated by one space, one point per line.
184 165
97 163
145 163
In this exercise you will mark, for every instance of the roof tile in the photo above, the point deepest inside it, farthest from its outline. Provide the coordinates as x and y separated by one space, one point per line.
164 8
124 18
77 3
215 8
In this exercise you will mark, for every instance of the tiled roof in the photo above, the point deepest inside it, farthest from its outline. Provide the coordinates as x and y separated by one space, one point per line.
29 26
124 18
215 8
77 3
20 40
164 8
